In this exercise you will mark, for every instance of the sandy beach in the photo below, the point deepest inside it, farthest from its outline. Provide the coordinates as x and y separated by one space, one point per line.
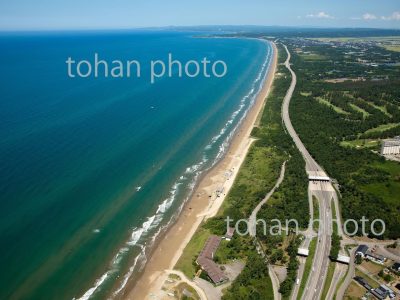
201 205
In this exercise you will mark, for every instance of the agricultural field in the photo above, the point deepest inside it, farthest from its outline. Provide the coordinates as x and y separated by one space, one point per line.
354 291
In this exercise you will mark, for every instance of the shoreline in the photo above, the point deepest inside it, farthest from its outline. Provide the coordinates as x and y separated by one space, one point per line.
201 205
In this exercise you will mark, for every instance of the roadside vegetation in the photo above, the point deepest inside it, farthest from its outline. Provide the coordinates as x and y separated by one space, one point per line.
328 280
307 267
287 285
256 177
253 282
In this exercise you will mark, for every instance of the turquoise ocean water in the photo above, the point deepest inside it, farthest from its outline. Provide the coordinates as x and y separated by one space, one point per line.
92 170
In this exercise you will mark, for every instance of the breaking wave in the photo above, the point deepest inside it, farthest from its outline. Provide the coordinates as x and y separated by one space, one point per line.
191 173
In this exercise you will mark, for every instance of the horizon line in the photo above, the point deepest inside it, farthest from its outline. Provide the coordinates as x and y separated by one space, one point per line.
19 30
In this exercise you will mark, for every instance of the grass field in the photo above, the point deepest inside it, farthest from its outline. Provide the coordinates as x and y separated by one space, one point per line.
305 94
313 57
383 127
316 213
381 108
334 107
395 48
389 191
371 267
307 267
370 281
328 280
391 43
360 39
361 143
185 262
335 228
354 291
259 170
359 109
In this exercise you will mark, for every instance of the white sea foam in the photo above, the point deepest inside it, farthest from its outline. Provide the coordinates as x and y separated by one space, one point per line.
163 207
119 256
250 95
138 232
195 170
129 273
97 284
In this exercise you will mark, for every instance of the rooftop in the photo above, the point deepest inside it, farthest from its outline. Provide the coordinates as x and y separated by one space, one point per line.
212 269
229 232
375 255
392 142
362 249
205 260
396 266
210 247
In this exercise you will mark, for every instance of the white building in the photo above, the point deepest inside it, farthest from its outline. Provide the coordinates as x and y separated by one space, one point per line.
379 259
343 259
303 251
391 147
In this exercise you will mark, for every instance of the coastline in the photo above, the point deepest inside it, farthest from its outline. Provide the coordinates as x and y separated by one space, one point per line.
200 206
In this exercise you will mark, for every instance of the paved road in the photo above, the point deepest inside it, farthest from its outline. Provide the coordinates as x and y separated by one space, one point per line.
380 249
350 274
311 165
309 234
300 273
253 216
340 271
320 264
275 283
324 193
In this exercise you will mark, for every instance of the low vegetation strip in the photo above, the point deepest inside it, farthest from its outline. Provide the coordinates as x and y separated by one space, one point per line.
307 267
186 262
315 213
328 280
256 177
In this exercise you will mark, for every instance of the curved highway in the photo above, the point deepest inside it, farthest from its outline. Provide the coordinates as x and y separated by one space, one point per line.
323 191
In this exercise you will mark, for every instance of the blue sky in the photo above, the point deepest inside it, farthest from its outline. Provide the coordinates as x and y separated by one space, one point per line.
109 14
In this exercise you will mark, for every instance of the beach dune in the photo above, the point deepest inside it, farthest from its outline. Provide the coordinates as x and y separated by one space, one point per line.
166 254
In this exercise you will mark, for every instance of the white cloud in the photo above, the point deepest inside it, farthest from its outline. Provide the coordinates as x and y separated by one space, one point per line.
368 16
320 15
394 16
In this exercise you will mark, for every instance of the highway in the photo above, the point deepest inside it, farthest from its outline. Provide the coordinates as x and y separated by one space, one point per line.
309 234
340 271
323 191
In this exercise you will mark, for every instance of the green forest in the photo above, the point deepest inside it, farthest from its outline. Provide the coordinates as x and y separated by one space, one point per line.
342 108
330 117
